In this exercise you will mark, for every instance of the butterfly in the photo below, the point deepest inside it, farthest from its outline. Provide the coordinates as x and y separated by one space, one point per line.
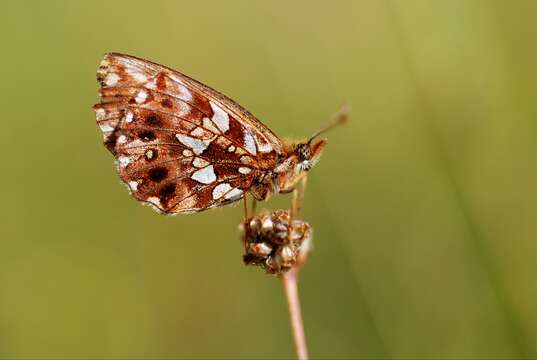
182 146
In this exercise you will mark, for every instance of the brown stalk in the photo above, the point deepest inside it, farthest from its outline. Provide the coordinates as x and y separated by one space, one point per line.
290 280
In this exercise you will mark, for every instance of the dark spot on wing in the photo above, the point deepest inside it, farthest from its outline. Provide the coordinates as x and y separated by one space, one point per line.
168 190
167 103
147 135
152 119
158 174
161 81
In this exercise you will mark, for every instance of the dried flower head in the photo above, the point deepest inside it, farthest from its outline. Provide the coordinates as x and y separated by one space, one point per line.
272 243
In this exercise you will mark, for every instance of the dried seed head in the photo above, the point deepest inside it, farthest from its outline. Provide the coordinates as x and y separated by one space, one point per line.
267 225
260 249
267 242
255 224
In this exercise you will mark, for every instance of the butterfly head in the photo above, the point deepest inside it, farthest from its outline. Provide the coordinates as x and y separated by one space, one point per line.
308 154
304 155
300 157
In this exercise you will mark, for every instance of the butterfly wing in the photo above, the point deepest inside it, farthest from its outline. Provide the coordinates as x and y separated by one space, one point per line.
180 145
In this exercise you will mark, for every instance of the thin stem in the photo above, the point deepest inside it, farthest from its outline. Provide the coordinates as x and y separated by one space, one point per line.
289 280
301 193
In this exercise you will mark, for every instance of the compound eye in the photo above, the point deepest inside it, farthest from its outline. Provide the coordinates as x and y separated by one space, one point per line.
304 152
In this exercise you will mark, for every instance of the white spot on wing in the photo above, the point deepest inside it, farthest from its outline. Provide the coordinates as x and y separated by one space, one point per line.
129 117
209 125
220 189
246 159
106 128
133 185
233 194
100 114
249 143
264 148
184 93
198 146
199 162
123 161
139 77
141 96
154 200
231 148
245 170
183 108
149 154
205 175
197 132
220 117
122 139
111 79
187 153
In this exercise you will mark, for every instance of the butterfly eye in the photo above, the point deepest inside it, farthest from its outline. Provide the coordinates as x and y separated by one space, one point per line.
303 152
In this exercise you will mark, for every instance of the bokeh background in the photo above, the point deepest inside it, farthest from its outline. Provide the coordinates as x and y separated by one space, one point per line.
423 205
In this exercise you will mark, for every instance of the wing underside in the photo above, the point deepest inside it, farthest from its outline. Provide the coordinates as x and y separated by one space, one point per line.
179 145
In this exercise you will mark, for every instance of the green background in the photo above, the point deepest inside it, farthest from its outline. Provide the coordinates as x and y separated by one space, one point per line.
423 205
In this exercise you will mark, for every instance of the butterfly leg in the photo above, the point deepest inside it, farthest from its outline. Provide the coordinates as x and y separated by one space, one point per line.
295 212
300 200
246 223
292 213
254 205
245 203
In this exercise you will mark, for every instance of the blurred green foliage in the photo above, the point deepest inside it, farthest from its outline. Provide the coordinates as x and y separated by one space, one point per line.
423 205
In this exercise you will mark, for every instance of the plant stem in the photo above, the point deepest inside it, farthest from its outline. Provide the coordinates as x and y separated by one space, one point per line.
289 280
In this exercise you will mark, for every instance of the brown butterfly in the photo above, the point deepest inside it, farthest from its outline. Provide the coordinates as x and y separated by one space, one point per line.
182 146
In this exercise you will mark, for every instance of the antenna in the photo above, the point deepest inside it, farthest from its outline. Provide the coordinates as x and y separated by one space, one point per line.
338 118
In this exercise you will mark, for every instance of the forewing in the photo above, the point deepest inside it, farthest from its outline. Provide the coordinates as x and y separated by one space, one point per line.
180 146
